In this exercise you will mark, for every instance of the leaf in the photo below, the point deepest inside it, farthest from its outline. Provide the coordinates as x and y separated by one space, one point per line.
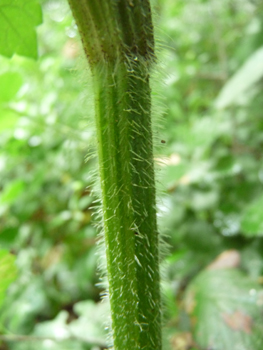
182 341
7 237
225 308
10 83
172 174
226 260
234 90
57 328
18 19
252 219
8 119
12 191
238 321
87 327
7 272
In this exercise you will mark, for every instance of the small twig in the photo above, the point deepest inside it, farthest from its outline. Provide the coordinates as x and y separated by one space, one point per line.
33 338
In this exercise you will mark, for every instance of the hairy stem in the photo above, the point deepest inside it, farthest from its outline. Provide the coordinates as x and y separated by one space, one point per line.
118 40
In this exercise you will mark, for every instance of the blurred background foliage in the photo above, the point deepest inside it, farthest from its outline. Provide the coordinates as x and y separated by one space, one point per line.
210 177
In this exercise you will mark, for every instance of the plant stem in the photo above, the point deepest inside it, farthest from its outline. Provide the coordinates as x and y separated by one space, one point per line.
118 40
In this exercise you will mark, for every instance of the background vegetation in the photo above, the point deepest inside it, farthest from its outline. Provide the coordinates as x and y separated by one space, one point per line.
210 175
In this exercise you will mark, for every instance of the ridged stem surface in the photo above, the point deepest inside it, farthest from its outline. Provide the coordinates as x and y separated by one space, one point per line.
118 40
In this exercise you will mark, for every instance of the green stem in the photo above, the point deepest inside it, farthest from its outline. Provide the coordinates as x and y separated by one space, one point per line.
118 40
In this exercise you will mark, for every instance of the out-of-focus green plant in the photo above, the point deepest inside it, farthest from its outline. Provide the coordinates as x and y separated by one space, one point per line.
43 147
7 272
211 158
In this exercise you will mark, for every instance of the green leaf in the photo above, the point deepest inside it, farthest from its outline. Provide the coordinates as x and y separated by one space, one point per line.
10 83
225 308
7 272
18 19
86 328
12 191
55 328
8 119
7 237
236 89
252 219
171 174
